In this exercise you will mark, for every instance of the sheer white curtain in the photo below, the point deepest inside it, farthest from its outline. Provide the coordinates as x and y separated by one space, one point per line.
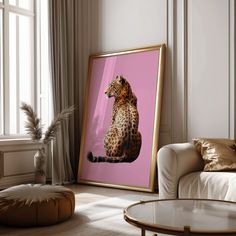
62 48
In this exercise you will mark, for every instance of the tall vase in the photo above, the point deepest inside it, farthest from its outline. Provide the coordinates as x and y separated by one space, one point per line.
40 166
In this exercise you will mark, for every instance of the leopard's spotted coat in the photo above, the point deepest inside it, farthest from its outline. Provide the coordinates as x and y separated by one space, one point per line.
122 141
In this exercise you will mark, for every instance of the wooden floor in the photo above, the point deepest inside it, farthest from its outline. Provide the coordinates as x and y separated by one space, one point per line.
99 211
101 193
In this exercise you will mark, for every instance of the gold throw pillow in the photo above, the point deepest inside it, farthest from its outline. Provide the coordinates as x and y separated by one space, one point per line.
218 154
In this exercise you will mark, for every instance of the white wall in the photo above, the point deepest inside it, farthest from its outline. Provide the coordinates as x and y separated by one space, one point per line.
209 63
199 78
126 24
199 89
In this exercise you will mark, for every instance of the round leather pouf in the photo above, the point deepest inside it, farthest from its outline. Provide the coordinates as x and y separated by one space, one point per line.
36 205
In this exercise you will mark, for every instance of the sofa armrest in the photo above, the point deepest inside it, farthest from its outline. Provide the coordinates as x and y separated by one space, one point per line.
174 161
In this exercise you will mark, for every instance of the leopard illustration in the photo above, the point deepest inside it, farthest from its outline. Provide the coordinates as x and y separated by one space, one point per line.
122 141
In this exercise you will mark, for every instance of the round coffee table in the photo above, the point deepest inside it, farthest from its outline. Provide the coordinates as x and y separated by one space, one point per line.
184 217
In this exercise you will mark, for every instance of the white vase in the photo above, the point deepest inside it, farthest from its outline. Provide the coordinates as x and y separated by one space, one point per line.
40 166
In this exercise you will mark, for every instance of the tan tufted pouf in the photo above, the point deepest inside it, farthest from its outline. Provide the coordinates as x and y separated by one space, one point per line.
36 205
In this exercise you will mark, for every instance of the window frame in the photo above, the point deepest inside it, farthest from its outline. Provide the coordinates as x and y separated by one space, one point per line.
6 10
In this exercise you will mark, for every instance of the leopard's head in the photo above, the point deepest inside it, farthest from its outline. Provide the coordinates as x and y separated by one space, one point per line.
118 87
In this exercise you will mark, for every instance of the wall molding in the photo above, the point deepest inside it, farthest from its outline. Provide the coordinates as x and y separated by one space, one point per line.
170 58
185 68
231 72
177 43
18 152
177 38
8 181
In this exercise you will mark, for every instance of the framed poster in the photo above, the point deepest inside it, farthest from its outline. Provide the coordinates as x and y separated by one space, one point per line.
121 119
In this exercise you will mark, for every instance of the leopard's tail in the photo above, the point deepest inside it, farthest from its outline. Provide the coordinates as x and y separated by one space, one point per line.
92 158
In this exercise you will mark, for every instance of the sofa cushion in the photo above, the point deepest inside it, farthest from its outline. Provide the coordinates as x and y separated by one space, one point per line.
209 185
218 154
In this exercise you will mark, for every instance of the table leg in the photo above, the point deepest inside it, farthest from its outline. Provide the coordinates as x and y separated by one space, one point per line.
143 232
187 231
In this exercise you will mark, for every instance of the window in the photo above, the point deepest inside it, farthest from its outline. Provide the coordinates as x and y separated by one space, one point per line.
25 4
44 86
23 62
1 73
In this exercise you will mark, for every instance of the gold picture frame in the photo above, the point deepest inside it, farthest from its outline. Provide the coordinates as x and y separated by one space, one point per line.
143 69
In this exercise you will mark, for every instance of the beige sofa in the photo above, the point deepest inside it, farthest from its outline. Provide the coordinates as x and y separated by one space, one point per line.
180 175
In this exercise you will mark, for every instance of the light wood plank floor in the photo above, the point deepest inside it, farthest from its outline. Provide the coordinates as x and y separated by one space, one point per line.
101 193
99 211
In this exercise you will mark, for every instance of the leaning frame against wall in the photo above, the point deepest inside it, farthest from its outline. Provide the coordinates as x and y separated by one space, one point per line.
120 135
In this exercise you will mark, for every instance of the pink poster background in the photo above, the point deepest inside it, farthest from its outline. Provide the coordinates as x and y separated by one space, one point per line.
141 71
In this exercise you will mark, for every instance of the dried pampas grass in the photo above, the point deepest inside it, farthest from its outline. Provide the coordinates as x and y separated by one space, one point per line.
51 131
33 126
